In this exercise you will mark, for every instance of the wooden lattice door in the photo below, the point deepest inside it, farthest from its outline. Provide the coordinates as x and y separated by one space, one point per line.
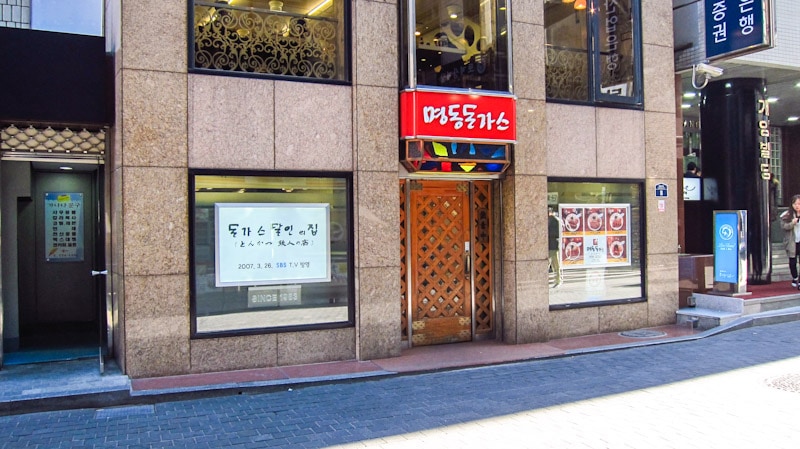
441 302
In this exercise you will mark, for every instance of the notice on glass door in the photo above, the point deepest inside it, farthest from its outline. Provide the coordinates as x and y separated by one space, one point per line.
63 224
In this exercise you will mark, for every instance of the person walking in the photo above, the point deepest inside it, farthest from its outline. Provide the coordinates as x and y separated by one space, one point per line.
791 236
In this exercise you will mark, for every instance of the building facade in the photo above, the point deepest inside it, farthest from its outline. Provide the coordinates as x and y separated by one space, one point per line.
301 181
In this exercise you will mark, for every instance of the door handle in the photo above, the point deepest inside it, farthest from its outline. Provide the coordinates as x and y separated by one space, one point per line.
95 273
467 265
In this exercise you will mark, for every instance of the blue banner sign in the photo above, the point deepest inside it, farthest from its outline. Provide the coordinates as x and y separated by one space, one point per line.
726 246
733 26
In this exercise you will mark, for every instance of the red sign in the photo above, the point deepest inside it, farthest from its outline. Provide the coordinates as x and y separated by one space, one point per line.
456 116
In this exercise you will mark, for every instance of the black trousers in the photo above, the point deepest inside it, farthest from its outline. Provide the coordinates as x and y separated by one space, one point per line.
793 261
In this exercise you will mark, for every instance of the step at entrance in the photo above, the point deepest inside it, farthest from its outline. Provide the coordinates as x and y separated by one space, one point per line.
711 310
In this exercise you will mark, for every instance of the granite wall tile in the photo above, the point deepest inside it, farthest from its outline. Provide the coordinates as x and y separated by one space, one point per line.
156 221
509 228
532 308
662 291
659 78
622 317
660 141
154 35
528 12
376 25
154 119
234 353
156 325
620 143
378 219
313 126
376 128
573 323
331 345
530 153
662 232
530 221
529 61
508 306
657 22
231 123
571 140
379 332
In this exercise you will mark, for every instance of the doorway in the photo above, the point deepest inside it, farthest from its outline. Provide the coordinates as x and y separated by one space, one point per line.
60 255
447 255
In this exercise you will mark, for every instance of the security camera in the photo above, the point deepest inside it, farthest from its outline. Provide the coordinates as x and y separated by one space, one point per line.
709 70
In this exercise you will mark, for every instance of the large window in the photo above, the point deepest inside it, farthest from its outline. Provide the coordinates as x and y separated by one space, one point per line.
291 38
270 253
596 251
593 51
459 44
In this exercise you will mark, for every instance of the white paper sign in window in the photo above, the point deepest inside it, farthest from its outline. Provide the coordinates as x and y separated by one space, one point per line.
271 243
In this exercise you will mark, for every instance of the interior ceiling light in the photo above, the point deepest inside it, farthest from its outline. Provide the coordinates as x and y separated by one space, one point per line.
772 100
321 6
793 118
453 11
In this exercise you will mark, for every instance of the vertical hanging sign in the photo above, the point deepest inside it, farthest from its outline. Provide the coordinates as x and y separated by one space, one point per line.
737 27
63 224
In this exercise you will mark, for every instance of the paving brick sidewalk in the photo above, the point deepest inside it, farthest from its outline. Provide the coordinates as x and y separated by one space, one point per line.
605 399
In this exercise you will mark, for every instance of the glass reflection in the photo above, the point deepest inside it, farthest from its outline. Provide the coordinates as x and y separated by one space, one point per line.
462 44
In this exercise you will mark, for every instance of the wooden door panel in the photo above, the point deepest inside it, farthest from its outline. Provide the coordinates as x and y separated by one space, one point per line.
441 305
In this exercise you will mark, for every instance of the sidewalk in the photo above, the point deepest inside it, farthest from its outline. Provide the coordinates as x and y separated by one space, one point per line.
79 384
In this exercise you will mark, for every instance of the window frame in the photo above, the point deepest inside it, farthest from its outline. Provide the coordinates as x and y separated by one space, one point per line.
642 242
347 48
407 66
595 96
350 322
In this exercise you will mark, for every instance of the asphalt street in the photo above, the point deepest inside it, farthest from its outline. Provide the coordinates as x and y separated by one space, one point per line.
739 389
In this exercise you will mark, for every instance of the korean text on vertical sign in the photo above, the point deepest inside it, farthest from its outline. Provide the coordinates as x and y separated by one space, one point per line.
762 115
271 243
457 116
63 225
735 26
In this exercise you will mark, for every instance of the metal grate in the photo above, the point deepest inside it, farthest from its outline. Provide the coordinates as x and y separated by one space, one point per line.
642 333
53 141
122 412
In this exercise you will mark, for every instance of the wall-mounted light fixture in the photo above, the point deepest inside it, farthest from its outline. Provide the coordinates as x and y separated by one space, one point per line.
579 5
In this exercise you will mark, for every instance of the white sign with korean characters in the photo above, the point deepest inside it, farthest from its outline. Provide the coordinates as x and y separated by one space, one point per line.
271 243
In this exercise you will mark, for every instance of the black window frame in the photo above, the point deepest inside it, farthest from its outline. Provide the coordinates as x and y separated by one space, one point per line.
348 54
407 64
595 96
347 177
642 241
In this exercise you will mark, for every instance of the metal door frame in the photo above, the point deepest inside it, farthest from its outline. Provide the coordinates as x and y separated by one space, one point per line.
102 231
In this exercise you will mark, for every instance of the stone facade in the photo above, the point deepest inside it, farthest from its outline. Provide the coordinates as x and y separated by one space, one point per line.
169 121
